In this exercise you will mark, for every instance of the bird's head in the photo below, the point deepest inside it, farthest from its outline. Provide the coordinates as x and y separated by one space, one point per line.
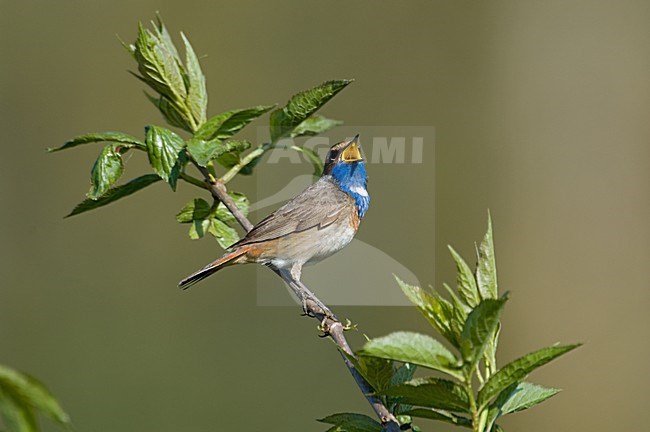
345 164
346 152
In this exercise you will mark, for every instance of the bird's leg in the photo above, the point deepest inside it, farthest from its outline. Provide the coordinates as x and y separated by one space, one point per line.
306 296
296 271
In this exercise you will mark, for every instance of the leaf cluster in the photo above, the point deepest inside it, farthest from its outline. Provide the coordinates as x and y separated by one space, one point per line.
469 321
180 94
22 397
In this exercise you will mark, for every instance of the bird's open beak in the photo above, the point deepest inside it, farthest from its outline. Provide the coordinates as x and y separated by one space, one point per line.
352 152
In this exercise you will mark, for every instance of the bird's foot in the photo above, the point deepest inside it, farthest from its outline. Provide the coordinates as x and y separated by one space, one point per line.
306 310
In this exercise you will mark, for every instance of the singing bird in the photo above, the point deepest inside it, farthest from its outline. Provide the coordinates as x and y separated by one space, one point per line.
315 224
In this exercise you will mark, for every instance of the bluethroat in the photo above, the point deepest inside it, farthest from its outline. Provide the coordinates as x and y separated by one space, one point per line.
315 224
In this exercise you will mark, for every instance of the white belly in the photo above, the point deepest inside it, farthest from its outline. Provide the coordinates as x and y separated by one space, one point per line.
313 246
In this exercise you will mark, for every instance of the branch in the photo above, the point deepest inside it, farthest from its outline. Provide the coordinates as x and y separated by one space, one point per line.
312 306
250 157
218 191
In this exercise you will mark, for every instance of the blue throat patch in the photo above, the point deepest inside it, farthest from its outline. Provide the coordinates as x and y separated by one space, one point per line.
353 180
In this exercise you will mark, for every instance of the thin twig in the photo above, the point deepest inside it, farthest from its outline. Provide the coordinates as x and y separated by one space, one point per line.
250 157
218 191
330 324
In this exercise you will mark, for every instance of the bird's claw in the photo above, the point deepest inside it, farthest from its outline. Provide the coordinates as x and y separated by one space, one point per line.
324 328
306 311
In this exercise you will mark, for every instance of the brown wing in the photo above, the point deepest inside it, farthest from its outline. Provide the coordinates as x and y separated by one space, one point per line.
317 206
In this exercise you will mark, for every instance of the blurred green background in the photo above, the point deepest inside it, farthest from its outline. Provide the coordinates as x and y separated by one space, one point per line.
541 114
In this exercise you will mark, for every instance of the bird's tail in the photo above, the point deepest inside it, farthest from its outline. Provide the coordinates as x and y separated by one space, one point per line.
213 267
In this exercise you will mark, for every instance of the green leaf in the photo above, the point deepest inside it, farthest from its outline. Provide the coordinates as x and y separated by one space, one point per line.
315 125
437 310
352 422
158 63
177 169
163 35
302 106
205 151
171 113
241 201
486 270
197 209
377 371
466 283
110 136
479 329
433 393
106 171
197 96
164 148
225 235
459 312
441 415
199 228
115 193
402 374
226 124
413 348
519 397
29 391
517 370
16 415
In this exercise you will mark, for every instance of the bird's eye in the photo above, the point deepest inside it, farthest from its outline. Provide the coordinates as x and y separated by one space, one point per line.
334 154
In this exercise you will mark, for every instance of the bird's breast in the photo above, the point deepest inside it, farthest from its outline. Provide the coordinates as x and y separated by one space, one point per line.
315 244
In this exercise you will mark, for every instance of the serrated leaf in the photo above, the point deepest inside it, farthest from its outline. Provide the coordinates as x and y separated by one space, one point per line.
437 311
402 374
107 169
413 348
163 35
158 63
16 415
31 392
109 136
302 106
173 115
465 278
115 194
177 169
313 157
486 270
241 201
458 312
163 148
377 371
433 393
479 330
199 228
226 124
519 397
225 235
352 422
197 96
517 370
440 415
205 151
315 125
197 209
